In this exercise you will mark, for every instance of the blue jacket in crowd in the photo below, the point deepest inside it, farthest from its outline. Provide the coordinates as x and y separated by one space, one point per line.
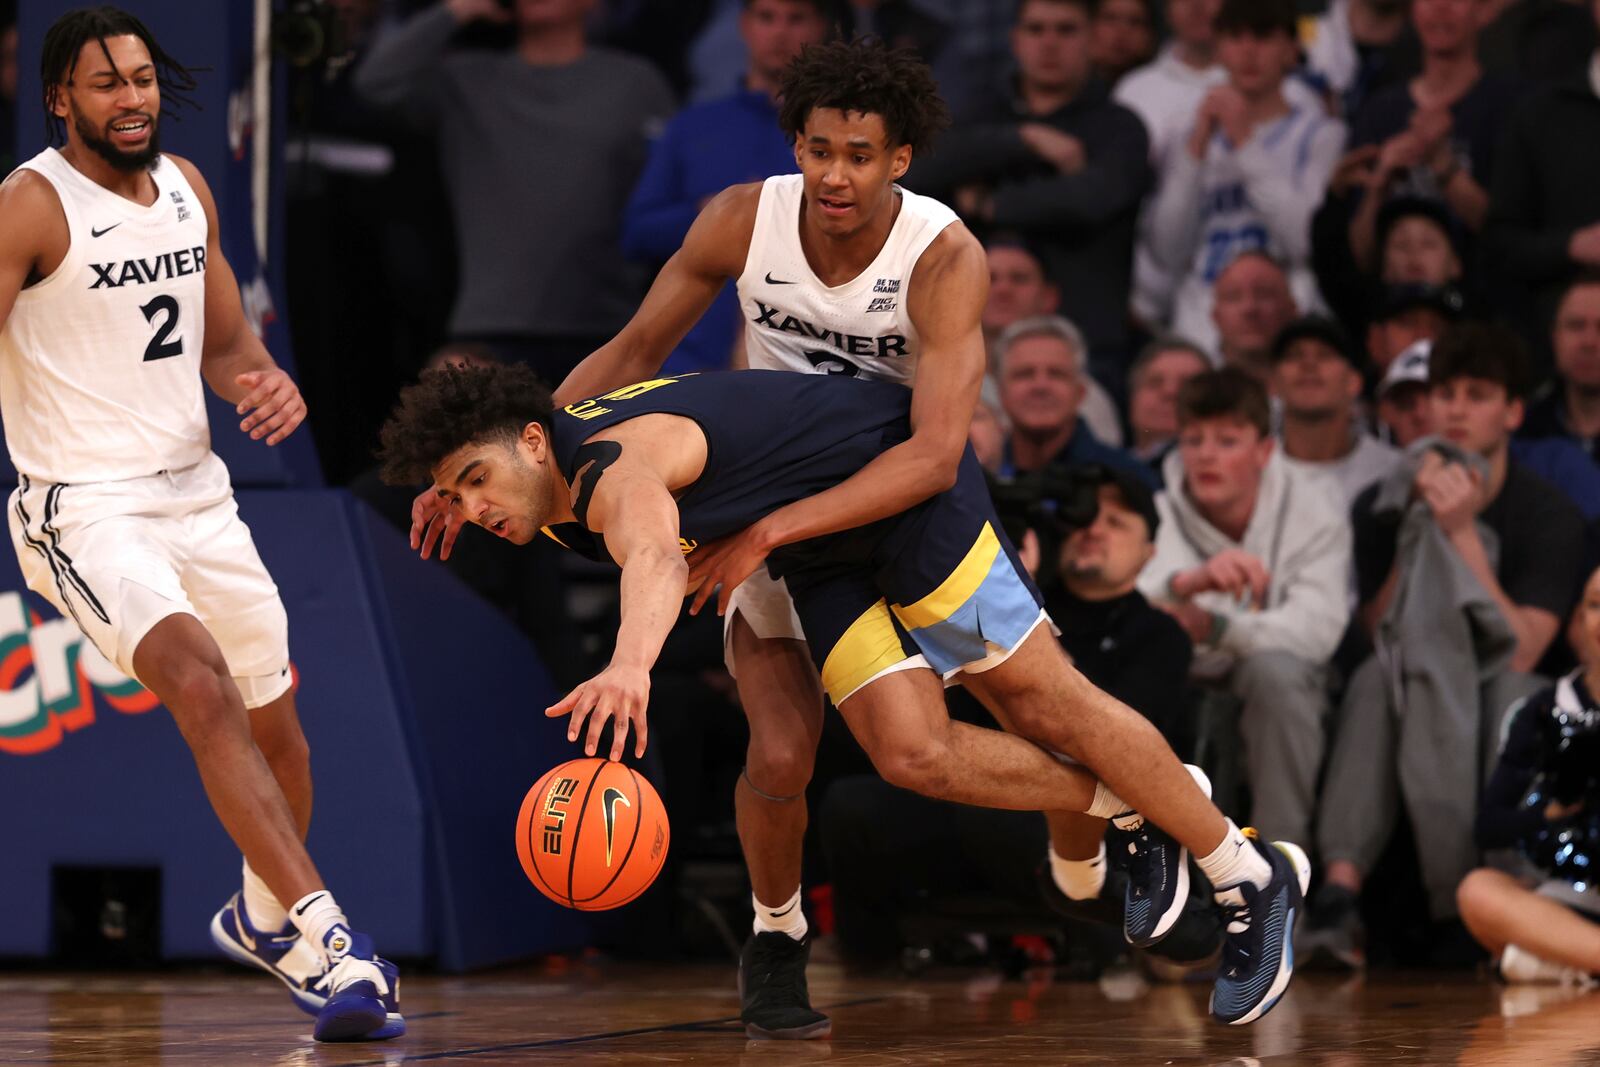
703 150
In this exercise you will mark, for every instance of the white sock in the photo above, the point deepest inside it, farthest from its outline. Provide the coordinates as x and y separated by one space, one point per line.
263 909
1106 803
1079 879
788 918
316 914
1234 861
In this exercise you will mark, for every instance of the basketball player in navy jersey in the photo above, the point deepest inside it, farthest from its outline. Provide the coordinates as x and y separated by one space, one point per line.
839 271
115 302
892 610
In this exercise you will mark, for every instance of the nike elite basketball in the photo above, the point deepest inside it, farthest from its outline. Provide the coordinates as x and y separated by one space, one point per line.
592 834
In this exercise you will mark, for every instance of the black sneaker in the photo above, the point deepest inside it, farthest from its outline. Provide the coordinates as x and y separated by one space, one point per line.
1332 935
773 1001
1158 872
1195 938
1102 910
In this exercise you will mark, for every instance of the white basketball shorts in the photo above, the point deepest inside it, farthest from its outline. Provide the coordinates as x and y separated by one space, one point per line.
118 557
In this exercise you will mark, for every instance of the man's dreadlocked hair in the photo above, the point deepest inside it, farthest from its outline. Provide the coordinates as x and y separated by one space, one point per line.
867 77
454 406
64 40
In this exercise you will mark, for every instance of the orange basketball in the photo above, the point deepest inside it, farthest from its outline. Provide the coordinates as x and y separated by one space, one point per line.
592 834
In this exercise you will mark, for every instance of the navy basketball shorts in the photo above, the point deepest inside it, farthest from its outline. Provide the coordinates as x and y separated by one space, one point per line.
938 587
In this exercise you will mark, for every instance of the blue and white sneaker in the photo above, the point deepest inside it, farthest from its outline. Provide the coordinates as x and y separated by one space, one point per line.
1258 941
360 991
281 954
1158 872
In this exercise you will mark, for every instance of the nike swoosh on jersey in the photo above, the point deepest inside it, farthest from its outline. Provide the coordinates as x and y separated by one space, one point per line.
776 281
101 233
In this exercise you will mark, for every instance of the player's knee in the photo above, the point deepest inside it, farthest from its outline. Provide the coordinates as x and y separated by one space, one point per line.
197 694
779 767
1477 893
915 763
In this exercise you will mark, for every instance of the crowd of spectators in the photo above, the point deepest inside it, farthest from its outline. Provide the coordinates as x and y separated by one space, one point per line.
1326 283
1242 255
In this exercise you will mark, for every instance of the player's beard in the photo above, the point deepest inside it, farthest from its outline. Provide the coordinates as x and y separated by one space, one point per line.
126 162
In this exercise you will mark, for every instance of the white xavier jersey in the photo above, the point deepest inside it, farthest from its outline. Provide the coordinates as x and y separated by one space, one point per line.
100 362
860 328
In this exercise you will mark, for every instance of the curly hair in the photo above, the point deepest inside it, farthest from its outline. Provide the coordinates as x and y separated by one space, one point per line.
451 407
868 77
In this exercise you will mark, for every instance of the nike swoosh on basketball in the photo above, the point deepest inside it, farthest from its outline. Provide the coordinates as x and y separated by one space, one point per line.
609 800
101 233
776 281
301 910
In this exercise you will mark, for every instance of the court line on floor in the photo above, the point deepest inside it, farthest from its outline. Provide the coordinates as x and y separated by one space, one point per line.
557 1042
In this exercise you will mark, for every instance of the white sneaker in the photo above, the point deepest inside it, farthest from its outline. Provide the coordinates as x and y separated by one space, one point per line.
1518 965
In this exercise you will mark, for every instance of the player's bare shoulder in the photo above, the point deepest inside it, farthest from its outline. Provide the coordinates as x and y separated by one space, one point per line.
719 241
951 274
34 236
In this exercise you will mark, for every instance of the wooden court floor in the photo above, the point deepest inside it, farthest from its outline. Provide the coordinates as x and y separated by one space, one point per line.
662 1015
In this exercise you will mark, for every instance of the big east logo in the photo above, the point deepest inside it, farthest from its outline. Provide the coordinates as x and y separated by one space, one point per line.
48 677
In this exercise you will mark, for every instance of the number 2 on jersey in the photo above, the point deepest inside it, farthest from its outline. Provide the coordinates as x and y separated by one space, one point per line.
160 347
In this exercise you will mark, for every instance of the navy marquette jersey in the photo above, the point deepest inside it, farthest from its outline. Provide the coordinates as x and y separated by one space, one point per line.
772 437
939 580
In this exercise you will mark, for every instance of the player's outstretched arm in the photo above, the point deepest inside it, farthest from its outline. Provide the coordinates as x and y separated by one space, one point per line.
632 507
234 362
714 252
945 301
33 235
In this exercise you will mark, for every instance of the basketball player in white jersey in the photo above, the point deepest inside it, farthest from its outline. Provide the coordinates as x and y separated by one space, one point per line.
115 301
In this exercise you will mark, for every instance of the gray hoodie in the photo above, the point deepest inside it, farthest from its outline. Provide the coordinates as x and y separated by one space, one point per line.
1299 531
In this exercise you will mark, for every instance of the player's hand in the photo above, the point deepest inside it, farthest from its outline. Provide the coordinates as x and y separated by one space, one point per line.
620 694
720 566
433 522
272 406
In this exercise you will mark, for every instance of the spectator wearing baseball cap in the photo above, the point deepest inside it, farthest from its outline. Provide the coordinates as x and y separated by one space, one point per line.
1419 243
1107 626
1404 414
1405 314
1318 381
